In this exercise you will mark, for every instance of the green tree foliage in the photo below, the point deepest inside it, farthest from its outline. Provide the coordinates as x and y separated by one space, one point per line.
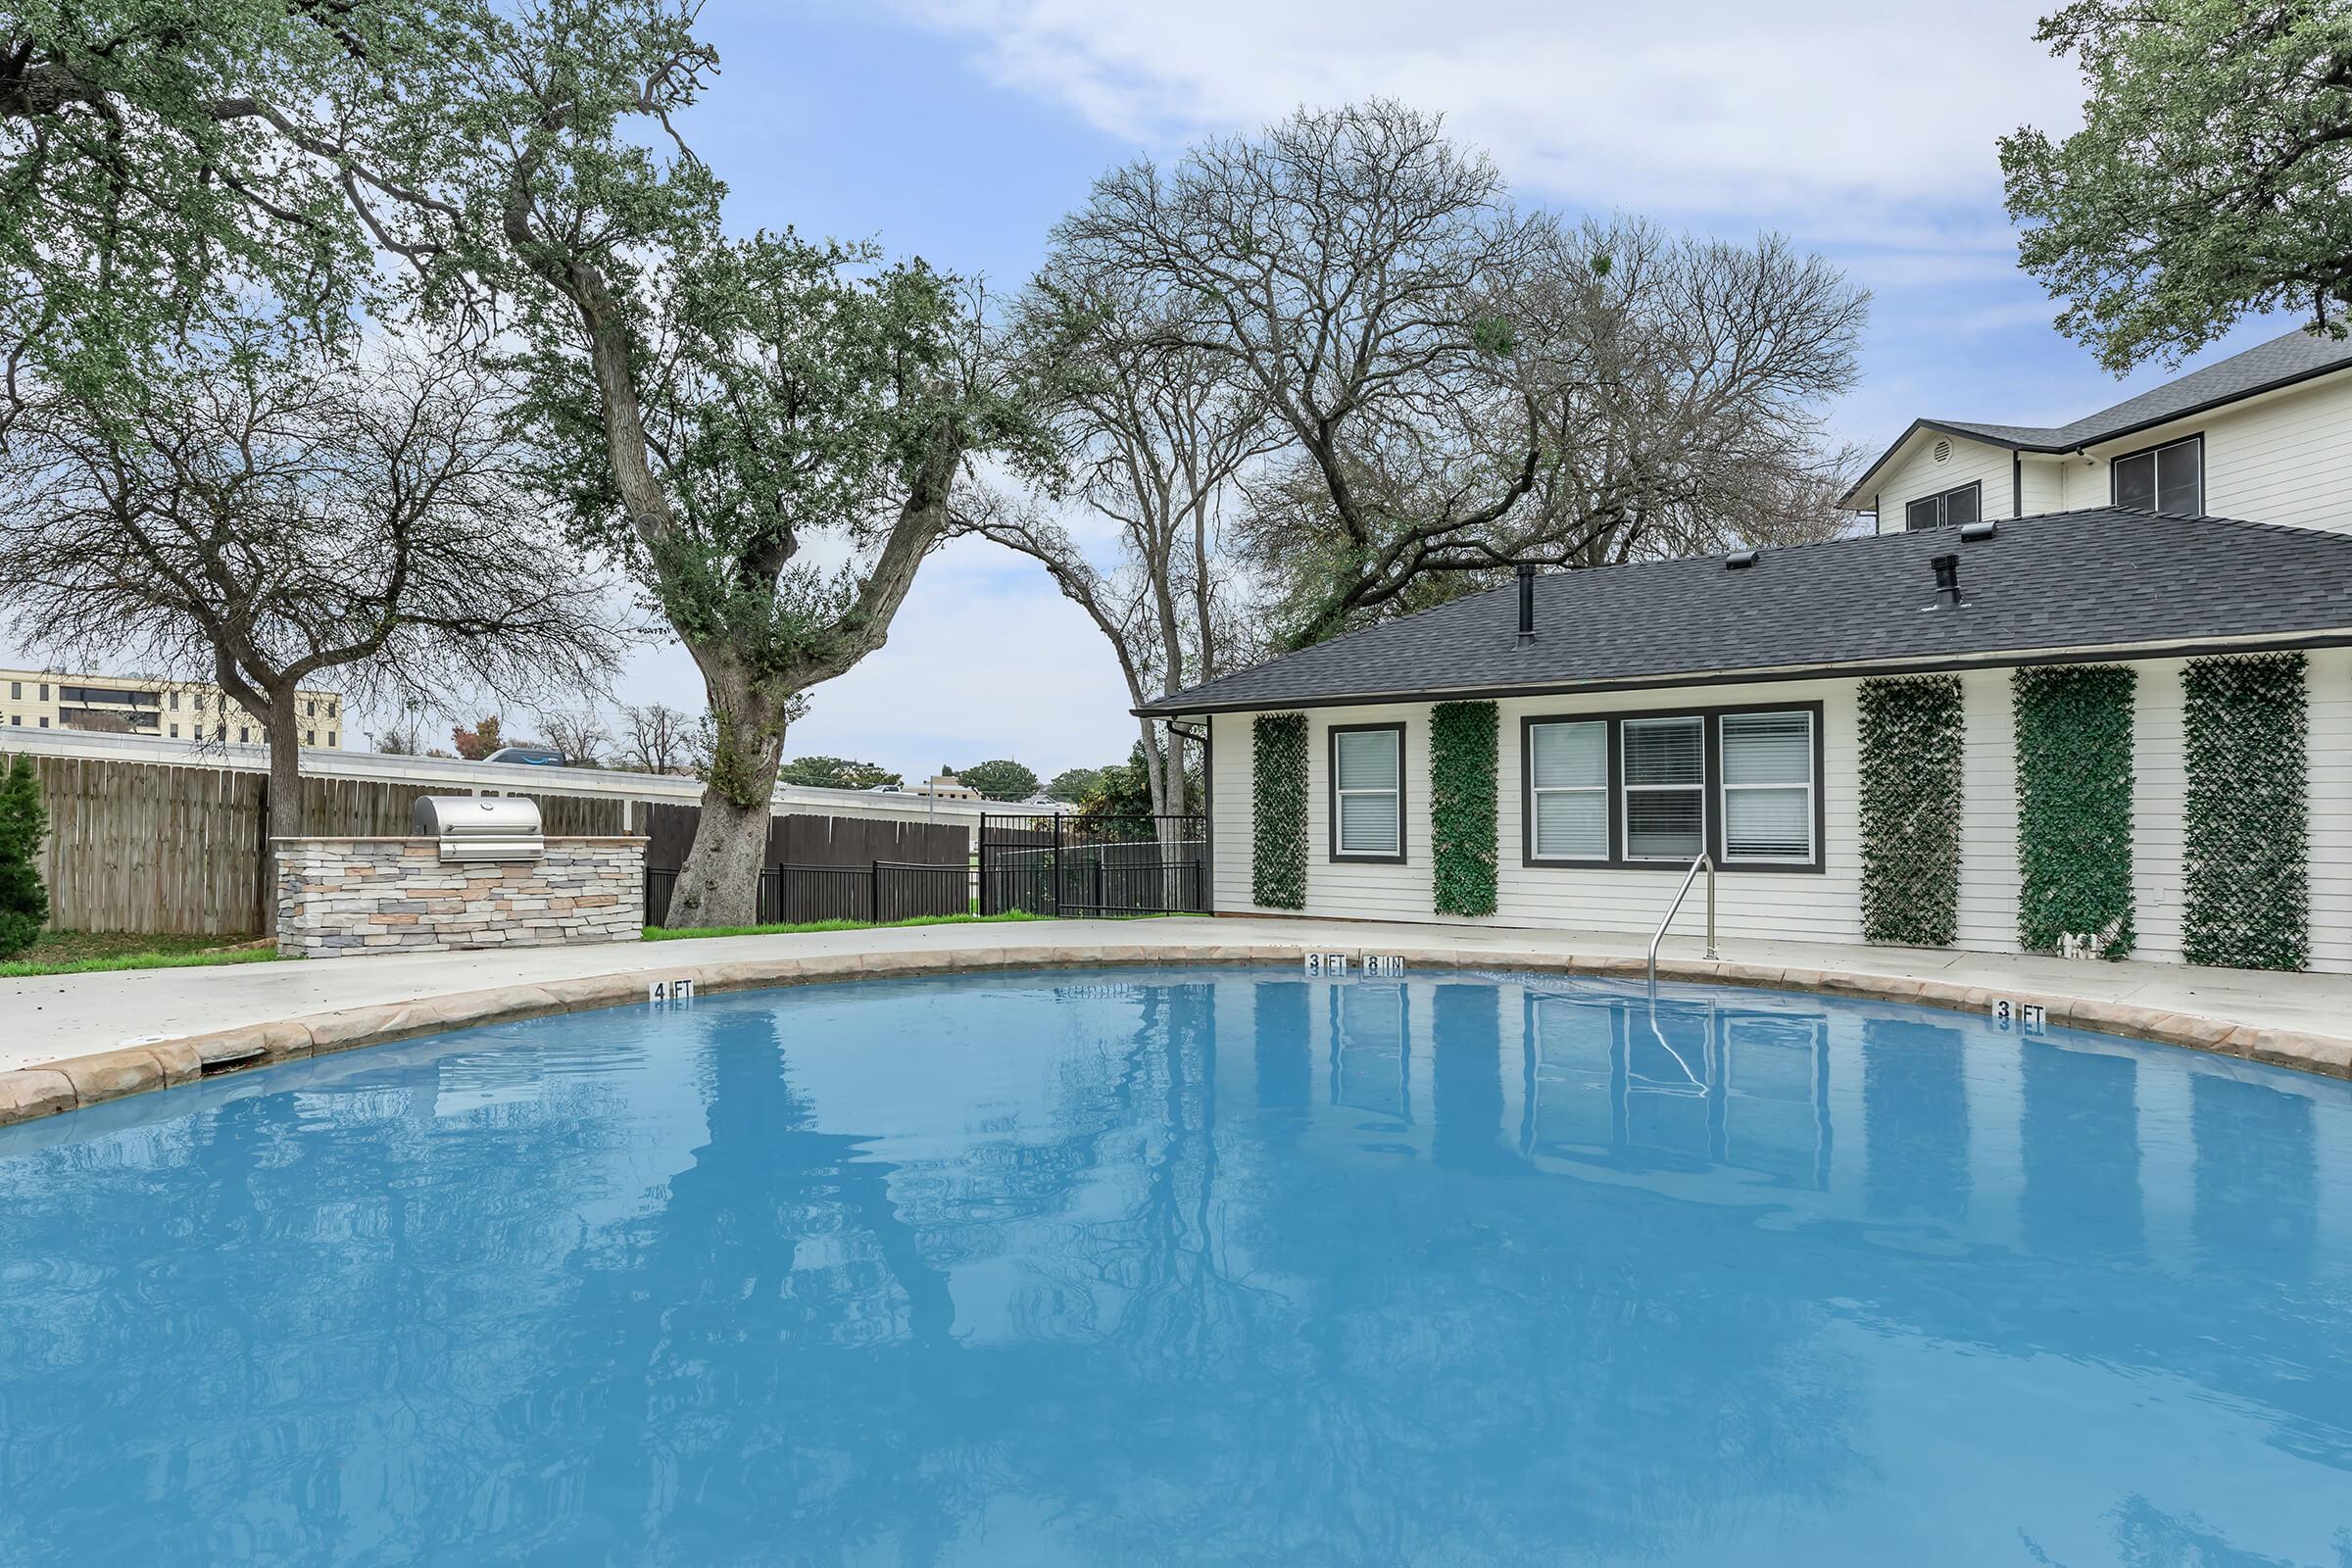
23 823
1074 784
2211 177
2247 818
165 164
2074 805
1462 827
999 780
834 773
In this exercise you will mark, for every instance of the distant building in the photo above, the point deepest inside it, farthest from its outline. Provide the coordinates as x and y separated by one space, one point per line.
115 704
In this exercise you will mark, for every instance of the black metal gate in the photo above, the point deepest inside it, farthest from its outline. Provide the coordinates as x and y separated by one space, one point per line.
1088 866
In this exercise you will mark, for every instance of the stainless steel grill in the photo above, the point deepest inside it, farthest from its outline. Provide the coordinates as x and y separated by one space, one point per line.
482 827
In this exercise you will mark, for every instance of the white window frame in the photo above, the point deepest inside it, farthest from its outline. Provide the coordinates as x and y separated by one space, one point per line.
1724 787
1627 789
1395 855
1536 792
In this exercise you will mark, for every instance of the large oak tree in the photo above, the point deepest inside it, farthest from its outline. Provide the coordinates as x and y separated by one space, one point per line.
2211 177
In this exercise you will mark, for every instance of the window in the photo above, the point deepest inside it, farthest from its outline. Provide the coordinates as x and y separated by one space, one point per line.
330 738
1768 787
243 735
1568 785
176 732
310 737
15 691
331 707
1950 509
2169 479
1650 790
44 691
309 708
44 723
1665 787
1368 792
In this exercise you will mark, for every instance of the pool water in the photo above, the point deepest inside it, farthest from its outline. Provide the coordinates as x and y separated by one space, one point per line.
1191 1266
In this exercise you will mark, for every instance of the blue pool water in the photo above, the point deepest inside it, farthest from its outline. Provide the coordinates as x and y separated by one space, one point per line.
1191 1266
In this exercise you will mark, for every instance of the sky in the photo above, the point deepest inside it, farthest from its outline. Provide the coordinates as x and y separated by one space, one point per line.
960 130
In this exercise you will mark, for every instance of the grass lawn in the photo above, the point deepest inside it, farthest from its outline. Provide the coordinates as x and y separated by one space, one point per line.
655 933
90 952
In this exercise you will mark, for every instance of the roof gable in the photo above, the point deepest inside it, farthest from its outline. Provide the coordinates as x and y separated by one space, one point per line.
2284 361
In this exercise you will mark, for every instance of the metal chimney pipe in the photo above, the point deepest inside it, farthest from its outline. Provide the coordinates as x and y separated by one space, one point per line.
1947 580
1526 604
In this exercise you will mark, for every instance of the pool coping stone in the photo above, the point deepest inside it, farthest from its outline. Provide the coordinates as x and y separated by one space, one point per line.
51 1088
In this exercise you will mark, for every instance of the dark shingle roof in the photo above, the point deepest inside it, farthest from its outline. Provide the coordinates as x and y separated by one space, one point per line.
2071 581
2292 357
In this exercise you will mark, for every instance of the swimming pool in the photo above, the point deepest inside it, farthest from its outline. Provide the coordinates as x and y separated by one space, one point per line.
1191 1266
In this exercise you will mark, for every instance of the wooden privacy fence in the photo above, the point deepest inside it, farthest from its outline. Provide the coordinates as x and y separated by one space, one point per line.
157 848
137 847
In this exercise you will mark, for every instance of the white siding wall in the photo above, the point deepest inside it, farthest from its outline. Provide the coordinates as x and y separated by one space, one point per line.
2285 457
1989 816
1821 907
1920 474
2043 481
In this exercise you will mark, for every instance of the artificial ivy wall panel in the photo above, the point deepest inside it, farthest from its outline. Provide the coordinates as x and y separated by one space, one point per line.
1278 811
2073 806
2247 818
1912 734
1462 825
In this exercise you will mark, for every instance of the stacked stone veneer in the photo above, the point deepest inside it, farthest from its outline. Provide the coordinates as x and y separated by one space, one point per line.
337 896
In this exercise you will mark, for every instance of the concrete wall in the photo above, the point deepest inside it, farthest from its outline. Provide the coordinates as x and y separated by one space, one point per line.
1814 906
338 896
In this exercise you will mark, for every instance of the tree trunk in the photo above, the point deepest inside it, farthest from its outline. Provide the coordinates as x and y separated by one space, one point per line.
719 883
284 734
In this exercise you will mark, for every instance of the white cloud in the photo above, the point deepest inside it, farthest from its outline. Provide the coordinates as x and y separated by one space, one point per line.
1688 105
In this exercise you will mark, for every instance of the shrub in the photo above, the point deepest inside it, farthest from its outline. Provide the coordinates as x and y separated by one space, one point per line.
23 823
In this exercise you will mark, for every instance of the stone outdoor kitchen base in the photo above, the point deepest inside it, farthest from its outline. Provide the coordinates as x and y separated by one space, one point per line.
338 896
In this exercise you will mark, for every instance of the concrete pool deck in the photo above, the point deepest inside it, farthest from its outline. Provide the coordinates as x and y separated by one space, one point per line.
72 1040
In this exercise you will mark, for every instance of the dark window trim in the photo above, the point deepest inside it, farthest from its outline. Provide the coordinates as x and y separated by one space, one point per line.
1942 498
1713 717
1330 790
2198 436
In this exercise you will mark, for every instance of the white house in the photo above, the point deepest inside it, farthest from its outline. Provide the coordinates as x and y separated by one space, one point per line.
2130 722
2259 435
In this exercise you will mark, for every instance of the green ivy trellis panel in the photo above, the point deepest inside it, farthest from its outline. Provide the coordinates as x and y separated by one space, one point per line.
1912 736
2247 816
2074 805
1278 811
1462 820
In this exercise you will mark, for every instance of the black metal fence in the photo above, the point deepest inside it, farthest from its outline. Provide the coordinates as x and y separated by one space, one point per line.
873 894
1090 867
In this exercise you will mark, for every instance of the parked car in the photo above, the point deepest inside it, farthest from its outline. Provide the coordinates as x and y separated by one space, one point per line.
528 756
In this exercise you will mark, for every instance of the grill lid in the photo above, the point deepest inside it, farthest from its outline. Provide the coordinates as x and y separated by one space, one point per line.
481 827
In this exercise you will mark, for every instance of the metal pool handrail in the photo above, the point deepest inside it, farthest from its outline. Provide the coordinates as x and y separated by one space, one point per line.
1708 862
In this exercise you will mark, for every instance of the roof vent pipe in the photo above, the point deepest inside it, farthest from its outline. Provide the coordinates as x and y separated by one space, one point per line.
1526 604
1947 581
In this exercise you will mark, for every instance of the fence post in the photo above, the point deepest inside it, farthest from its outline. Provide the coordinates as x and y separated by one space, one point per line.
1098 883
984 896
873 895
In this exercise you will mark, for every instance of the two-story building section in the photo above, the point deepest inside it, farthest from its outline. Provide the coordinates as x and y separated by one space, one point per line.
2265 435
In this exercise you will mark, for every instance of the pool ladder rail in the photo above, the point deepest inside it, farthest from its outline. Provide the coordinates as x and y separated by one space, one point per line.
1705 862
